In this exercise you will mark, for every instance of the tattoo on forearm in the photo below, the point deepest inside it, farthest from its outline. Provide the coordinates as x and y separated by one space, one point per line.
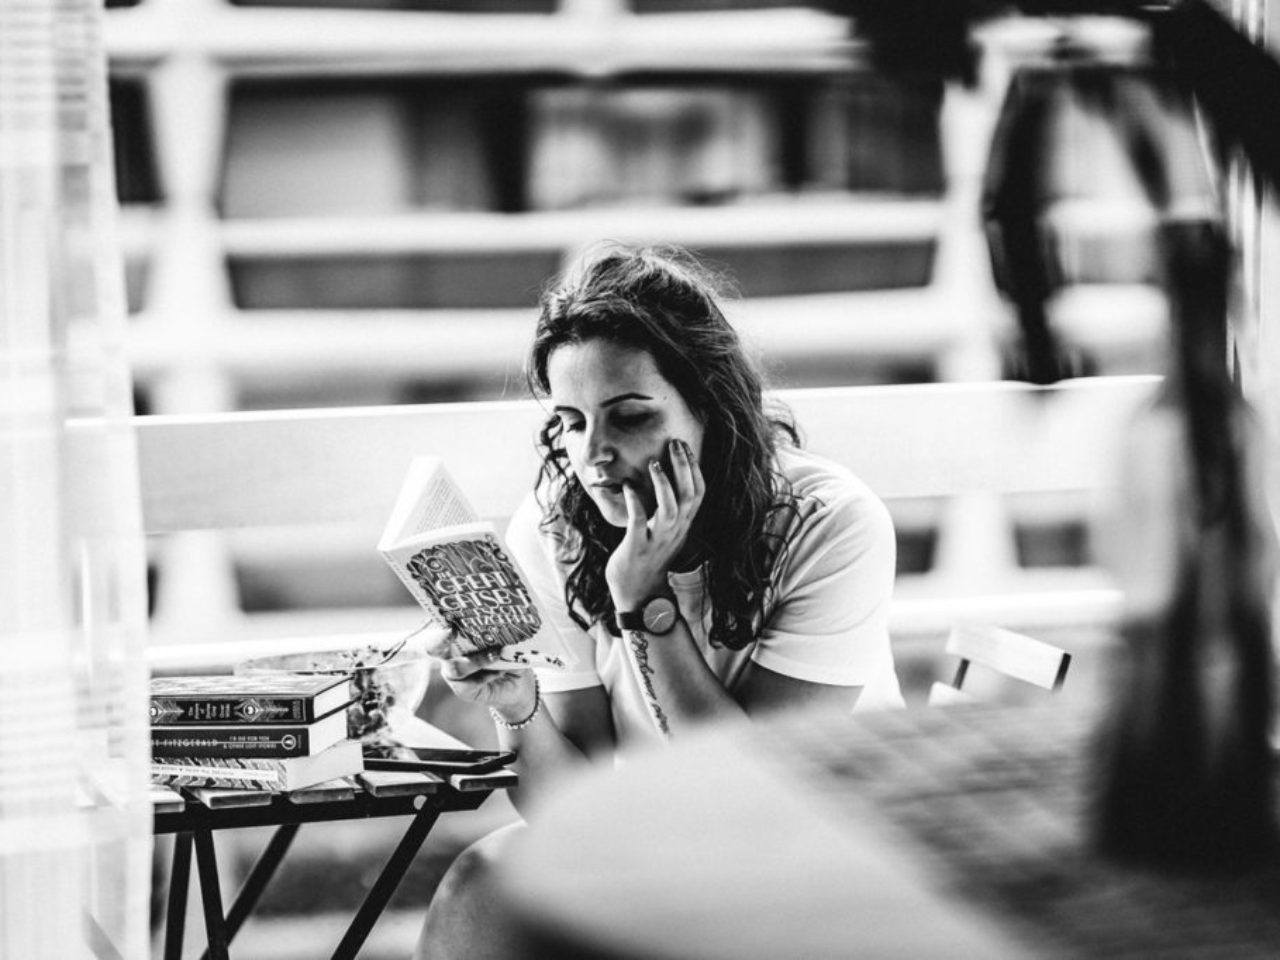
640 650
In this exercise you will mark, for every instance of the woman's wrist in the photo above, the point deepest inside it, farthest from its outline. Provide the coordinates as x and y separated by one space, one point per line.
519 715
631 598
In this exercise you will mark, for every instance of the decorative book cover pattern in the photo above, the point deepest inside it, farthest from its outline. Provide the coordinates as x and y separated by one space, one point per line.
480 594
342 759
165 710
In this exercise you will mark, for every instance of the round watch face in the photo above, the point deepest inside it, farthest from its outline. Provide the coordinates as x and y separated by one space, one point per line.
660 615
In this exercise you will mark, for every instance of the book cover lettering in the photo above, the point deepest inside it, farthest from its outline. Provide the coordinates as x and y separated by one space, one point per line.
476 588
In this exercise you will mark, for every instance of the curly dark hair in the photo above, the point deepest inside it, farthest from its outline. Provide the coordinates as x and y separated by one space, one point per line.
663 301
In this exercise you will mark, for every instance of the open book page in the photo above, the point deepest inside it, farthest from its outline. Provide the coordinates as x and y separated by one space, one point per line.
463 577
429 499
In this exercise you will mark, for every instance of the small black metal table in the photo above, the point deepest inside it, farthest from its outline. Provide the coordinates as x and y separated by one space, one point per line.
193 816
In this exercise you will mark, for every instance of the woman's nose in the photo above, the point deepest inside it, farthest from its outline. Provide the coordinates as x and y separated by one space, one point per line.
598 449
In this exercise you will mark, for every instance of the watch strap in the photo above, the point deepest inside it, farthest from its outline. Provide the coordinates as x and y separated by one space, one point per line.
630 619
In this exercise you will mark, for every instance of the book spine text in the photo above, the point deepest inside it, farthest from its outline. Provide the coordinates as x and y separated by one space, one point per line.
240 709
273 742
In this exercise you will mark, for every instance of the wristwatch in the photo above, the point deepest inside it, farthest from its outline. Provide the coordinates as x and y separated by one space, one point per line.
657 615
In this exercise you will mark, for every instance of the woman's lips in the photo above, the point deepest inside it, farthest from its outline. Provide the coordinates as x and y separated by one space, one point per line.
611 496
612 488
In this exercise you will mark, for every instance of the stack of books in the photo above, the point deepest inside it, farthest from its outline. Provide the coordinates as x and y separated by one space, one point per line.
278 732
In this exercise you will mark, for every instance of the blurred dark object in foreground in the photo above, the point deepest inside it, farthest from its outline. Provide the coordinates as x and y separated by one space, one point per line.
1184 760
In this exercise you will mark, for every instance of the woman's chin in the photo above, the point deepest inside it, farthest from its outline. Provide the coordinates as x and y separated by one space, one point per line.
613 515
613 508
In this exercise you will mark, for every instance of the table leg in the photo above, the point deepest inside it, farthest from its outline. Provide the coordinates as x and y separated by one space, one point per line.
211 894
264 869
382 889
176 908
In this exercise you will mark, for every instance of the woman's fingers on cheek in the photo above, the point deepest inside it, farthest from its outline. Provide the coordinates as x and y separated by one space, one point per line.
635 509
697 484
663 492
682 467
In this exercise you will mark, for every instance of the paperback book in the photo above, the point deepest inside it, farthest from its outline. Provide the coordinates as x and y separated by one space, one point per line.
275 698
457 568
271 741
278 775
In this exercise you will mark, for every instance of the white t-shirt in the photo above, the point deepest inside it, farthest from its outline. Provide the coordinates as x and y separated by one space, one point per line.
826 617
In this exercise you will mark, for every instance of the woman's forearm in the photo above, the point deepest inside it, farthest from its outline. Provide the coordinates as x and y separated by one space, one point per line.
678 685
544 756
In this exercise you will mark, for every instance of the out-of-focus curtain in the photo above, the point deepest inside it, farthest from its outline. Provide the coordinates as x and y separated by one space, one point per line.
75 837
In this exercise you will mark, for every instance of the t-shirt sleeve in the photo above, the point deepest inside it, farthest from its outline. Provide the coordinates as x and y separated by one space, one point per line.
534 552
829 622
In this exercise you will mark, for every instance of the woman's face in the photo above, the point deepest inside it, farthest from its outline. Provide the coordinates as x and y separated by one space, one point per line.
618 413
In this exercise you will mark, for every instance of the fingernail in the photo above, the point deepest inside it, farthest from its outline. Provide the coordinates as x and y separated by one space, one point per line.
655 466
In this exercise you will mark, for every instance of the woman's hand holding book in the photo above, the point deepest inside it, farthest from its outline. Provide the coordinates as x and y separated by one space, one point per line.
480 678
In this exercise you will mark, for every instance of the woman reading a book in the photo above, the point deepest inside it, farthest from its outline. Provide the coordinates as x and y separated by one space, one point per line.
697 561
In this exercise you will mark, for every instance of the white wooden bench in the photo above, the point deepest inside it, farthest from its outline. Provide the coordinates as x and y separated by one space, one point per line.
309 489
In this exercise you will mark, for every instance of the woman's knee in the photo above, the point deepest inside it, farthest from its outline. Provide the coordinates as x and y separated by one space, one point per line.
462 921
473 868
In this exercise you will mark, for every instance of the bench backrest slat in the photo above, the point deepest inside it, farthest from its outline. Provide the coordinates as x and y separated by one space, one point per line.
345 465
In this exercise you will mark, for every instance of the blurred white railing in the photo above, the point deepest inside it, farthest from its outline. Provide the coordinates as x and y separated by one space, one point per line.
193 349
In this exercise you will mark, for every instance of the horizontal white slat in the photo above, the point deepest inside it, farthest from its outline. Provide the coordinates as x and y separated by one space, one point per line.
329 42
345 465
279 346
828 218
947 439
273 347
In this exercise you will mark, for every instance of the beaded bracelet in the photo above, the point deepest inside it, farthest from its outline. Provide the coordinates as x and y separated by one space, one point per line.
537 709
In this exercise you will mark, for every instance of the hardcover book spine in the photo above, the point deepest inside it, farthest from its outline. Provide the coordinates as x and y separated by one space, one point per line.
241 709
273 742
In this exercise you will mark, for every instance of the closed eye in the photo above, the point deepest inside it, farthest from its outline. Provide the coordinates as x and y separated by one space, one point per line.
629 421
